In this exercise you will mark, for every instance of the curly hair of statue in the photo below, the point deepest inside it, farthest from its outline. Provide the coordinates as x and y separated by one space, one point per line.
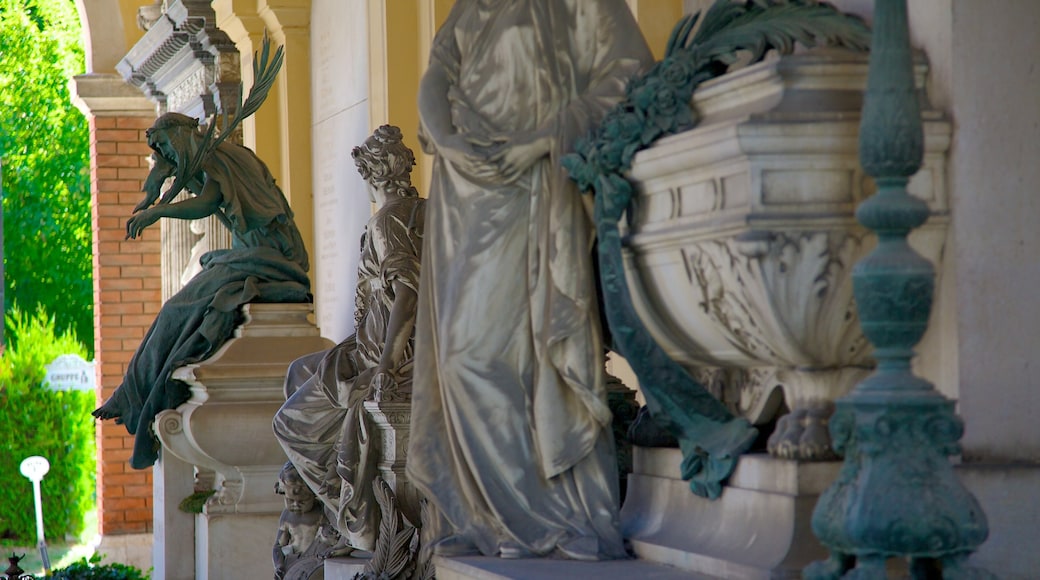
385 161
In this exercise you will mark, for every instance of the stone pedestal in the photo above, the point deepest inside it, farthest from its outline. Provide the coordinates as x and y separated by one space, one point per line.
222 436
758 528
391 420
344 568
743 238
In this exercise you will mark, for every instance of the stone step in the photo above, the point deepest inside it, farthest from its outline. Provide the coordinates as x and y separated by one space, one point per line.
758 529
485 568
344 568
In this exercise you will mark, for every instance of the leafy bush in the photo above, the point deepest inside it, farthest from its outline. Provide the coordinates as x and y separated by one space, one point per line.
93 570
45 153
37 421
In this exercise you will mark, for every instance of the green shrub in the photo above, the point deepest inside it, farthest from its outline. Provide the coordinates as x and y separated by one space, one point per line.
37 421
93 570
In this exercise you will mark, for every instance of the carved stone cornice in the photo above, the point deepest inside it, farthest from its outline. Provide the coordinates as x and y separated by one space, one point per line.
184 63
108 94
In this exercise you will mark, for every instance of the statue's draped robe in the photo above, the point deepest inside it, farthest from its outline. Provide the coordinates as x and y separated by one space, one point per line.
510 429
266 263
322 426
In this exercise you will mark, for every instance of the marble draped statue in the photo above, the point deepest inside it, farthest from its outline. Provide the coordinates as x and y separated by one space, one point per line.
266 263
511 434
323 426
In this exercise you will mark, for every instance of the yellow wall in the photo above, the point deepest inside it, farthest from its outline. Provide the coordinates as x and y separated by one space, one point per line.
128 12
656 19
396 63
395 67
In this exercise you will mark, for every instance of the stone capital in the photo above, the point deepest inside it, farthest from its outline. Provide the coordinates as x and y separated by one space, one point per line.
285 16
107 94
241 22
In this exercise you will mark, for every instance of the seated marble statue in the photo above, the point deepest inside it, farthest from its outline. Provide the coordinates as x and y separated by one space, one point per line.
513 447
323 426
266 263
299 526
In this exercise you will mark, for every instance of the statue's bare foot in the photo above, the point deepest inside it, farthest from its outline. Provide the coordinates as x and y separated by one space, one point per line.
112 409
341 550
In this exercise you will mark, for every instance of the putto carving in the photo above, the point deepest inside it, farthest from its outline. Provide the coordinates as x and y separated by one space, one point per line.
300 538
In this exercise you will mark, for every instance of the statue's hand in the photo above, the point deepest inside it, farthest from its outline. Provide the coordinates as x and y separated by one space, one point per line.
152 188
350 391
136 224
161 169
515 154
384 386
148 200
460 151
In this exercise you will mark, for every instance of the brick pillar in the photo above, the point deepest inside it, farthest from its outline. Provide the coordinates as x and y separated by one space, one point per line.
127 297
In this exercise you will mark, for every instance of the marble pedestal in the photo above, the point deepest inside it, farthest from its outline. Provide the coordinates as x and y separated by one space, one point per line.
344 568
221 439
391 420
758 528
743 235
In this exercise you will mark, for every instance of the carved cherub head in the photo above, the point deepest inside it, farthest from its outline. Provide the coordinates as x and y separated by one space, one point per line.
298 497
385 163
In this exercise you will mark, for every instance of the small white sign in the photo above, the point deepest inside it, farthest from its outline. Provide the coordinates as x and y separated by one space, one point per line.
35 467
69 372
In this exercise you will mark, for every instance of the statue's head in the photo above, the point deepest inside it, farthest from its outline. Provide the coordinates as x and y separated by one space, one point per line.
172 136
385 162
298 497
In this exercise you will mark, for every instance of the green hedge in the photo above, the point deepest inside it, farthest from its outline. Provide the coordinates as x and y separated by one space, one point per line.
37 421
93 569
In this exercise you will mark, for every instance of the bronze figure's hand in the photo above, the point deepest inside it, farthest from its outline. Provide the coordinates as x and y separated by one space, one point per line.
136 224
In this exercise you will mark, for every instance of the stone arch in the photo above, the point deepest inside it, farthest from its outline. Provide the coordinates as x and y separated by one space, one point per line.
104 34
126 277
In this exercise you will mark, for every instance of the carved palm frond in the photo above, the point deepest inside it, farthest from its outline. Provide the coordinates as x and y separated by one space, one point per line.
396 541
681 33
760 26
265 72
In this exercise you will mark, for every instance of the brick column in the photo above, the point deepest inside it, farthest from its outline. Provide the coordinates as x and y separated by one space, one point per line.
127 297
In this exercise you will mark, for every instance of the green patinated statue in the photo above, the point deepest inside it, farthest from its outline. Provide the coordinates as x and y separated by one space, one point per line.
266 263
